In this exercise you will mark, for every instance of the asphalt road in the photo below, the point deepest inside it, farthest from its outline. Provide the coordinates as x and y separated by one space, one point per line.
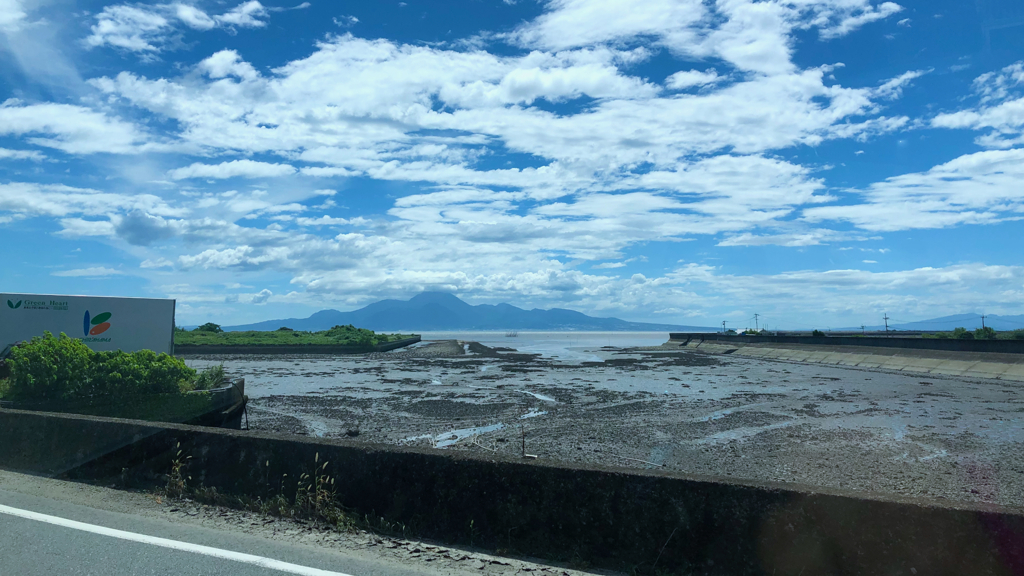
37 546
55 527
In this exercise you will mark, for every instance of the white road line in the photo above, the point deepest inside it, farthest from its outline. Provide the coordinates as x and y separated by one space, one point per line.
172 544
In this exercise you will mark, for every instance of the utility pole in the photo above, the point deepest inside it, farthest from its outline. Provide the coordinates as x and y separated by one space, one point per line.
723 326
886 318
756 328
862 330
982 321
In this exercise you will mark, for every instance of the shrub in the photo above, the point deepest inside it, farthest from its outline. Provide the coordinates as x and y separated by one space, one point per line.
285 329
962 334
1017 334
48 368
212 377
986 333
818 334
121 374
209 327
62 368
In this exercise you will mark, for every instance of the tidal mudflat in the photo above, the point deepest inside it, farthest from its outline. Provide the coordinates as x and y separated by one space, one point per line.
654 407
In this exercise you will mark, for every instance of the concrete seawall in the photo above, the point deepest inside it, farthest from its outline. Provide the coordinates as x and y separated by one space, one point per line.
1005 366
625 519
187 349
938 344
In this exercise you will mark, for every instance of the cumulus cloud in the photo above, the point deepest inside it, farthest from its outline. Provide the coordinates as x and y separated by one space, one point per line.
261 297
232 169
689 78
149 29
142 229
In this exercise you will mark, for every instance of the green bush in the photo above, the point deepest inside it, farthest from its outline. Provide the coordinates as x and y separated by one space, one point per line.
212 377
209 327
49 368
818 334
962 334
986 333
121 374
1017 334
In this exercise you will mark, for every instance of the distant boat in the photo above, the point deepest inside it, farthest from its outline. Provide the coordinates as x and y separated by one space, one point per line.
511 334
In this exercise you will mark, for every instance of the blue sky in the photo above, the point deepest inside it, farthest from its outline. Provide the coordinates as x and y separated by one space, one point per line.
819 162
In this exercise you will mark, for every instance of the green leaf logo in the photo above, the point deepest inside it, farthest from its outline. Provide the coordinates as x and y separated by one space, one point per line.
14 306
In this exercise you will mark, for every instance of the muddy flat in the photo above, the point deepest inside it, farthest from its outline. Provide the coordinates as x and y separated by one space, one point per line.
660 407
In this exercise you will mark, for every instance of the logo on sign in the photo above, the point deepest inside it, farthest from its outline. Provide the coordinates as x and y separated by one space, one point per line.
97 325
14 306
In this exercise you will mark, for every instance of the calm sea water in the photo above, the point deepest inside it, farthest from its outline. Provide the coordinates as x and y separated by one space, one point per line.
563 345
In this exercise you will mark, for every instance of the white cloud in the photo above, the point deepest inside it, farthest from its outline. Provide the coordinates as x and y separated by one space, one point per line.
247 15
132 28
54 200
228 63
858 295
72 129
261 297
93 272
8 154
893 88
12 15
346 21
233 169
978 188
752 35
856 18
1001 108
689 78
194 17
152 28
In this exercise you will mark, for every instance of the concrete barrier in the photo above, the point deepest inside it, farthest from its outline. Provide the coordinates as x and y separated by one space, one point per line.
642 521
951 345
189 349
1004 366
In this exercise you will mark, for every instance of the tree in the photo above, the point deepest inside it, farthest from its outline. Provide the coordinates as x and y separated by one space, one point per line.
986 333
961 333
818 334
209 327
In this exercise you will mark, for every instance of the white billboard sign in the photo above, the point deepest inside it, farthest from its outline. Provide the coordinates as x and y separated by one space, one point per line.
101 322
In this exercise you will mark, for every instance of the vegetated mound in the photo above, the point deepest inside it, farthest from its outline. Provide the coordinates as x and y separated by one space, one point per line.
211 335
59 373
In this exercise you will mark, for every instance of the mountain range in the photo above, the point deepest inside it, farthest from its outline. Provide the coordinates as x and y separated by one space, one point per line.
435 311
948 323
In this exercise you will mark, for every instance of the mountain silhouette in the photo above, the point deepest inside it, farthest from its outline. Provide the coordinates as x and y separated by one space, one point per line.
948 323
433 311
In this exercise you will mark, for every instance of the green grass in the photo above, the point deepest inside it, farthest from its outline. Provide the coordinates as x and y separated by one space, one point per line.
339 335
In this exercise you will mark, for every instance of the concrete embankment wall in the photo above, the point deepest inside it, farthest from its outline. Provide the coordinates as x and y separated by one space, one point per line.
1001 366
939 344
646 522
185 349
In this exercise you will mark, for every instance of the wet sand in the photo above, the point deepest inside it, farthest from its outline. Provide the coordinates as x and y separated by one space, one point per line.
745 418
